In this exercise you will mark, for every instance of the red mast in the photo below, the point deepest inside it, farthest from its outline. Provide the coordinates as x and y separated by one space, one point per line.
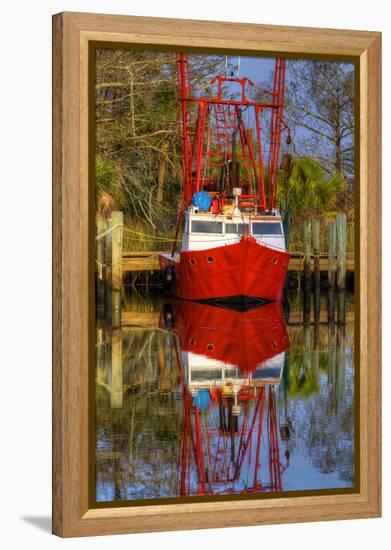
219 151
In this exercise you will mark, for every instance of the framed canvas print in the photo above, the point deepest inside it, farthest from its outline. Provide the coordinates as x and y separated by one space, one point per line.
216 274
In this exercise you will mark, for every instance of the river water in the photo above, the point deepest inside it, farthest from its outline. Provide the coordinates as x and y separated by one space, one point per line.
195 400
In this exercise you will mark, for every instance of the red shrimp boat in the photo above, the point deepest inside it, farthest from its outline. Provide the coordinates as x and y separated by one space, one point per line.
233 244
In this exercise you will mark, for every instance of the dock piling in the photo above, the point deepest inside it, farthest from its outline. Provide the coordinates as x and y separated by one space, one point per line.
315 228
341 250
116 268
116 396
307 272
331 255
341 307
307 250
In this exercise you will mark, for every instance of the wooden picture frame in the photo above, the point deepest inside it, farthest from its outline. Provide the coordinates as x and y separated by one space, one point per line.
72 33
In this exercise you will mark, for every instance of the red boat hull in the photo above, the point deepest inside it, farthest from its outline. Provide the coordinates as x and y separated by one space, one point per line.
246 269
244 339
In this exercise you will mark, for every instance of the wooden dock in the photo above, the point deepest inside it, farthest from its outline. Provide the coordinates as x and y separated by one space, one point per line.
149 261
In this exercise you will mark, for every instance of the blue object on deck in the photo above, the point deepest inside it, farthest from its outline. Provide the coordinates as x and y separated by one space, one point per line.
201 399
202 201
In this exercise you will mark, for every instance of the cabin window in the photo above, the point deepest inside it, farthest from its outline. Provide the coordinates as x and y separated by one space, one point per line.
210 259
210 347
266 228
192 261
266 372
231 228
236 228
202 226
230 373
203 375
275 261
192 342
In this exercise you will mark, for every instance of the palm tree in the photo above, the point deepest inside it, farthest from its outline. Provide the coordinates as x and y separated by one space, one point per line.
308 192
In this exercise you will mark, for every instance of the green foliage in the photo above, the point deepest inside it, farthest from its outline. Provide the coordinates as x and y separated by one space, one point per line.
309 192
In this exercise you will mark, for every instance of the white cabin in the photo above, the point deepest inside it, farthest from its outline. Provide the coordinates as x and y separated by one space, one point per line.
204 230
204 373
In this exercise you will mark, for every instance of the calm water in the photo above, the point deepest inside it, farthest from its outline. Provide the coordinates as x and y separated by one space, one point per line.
198 400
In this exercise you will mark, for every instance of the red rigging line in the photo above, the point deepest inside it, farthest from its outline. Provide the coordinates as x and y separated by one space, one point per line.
211 460
218 150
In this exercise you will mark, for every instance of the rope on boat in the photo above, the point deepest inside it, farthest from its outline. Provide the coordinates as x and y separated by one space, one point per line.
138 233
150 237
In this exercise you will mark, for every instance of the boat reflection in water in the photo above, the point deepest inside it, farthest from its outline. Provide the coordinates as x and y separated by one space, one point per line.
231 363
